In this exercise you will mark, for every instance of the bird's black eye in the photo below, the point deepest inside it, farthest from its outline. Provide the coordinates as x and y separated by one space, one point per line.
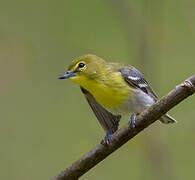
81 65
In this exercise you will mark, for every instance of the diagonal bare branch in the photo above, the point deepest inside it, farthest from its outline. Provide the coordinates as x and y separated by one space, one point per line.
143 120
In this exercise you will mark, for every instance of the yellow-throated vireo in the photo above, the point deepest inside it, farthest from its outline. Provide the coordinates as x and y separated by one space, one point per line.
112 89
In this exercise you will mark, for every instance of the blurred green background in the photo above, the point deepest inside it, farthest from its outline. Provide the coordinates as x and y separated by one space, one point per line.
46 123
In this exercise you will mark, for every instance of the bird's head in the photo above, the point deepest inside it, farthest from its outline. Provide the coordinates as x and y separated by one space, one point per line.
84 68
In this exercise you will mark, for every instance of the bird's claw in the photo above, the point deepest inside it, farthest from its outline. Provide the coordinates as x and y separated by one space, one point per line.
107 138
132 120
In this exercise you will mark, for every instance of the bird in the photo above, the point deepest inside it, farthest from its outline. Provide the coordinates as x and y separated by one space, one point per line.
112 90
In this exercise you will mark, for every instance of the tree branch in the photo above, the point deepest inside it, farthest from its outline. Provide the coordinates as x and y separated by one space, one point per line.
120 137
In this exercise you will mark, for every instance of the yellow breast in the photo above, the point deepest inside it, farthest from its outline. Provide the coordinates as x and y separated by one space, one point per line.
110 92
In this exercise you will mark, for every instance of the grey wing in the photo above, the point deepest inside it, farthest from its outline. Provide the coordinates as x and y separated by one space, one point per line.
106 119
135 79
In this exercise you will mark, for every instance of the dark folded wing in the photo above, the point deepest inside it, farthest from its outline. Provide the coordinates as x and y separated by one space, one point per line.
135 79
106 119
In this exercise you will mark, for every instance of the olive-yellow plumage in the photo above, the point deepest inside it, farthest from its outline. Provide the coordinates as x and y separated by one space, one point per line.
111 89
99 78
105 90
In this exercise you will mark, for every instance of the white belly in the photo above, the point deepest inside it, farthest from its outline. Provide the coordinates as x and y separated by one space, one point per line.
137 103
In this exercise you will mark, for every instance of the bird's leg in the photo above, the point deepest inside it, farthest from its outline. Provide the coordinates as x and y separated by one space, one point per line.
107 137
111 131
132 120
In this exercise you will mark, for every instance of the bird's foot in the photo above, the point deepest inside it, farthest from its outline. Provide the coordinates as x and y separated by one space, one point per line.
107 138
132 120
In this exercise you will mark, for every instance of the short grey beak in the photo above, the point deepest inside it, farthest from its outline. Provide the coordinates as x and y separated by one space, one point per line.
67 75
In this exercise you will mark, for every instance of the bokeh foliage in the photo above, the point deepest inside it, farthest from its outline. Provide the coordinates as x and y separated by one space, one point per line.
46 123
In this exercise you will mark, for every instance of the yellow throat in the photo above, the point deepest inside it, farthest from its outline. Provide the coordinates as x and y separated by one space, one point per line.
110 91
